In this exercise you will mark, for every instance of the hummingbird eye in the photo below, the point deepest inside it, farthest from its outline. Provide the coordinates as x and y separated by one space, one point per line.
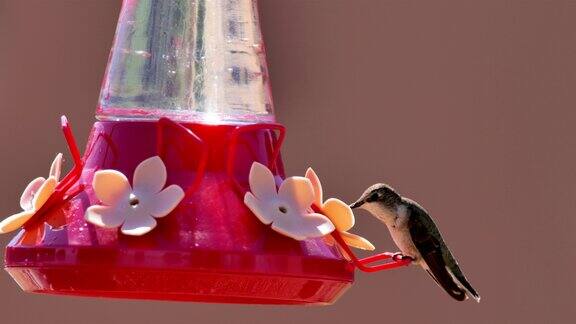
373 197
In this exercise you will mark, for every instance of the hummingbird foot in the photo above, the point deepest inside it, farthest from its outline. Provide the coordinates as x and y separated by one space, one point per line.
398 256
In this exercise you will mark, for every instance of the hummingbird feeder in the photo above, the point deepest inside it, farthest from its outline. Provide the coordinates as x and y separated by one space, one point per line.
181 193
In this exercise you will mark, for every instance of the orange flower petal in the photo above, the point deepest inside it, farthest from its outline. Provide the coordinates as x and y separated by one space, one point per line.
16 221
317 185
357 241
29 193
45 191
339 213
56 167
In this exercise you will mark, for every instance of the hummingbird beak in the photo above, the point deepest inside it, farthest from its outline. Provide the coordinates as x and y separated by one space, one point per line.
357 204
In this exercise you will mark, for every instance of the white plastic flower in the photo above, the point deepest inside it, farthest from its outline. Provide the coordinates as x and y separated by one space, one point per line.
339 213
34 197
136 208
288 208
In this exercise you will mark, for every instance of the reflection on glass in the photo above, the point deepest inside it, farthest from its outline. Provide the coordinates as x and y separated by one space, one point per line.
191 60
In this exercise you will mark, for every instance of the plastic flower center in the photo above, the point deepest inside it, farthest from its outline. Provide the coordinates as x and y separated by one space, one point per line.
134 202
283 209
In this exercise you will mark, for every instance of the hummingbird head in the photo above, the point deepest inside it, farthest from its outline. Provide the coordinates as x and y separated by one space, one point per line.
381 195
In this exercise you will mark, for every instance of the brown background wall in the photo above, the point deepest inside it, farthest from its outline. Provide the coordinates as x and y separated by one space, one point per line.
466 106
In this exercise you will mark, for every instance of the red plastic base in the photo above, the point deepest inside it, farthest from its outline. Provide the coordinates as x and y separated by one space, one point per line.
196 283
210 249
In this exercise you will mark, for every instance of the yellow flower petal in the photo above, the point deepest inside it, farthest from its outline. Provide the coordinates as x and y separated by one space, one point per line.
56 167
16 221
29 193
44 192
111 186
339 213
357 241
317 185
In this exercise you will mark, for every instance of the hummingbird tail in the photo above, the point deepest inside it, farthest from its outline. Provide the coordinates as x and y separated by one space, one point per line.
464 282
438 271
458 276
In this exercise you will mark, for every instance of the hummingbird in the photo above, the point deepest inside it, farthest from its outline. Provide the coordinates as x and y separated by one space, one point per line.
417 237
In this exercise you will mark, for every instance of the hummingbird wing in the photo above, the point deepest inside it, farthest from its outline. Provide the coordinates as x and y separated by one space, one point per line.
442 266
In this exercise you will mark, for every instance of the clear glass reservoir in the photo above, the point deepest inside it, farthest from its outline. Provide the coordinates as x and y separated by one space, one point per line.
190 60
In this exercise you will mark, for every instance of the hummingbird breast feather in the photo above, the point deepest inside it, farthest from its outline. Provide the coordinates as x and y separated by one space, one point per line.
401 237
